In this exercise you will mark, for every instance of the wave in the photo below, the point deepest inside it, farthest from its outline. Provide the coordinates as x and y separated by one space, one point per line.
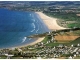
32 17
24 39
33 30
38 23
37 29
33 27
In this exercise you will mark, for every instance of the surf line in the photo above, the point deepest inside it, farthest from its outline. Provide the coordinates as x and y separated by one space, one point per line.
38 27
24 39
33 27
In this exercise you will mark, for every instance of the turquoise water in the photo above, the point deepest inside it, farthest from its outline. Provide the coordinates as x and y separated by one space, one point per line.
16 25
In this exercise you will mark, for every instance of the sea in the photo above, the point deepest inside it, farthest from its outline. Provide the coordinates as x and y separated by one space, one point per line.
15 26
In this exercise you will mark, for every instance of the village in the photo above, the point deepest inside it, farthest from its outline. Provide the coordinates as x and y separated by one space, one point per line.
43 50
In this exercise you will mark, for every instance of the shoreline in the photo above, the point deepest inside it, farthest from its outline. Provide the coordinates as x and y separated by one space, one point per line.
50 22
33 43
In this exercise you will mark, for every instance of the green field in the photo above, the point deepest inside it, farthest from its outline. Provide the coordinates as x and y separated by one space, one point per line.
69 42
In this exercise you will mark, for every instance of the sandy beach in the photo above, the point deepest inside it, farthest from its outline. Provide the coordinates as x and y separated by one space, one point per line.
50 21
37 41
33 43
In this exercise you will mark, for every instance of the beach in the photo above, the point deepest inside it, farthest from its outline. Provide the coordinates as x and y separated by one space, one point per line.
37 41
50 22
33 43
